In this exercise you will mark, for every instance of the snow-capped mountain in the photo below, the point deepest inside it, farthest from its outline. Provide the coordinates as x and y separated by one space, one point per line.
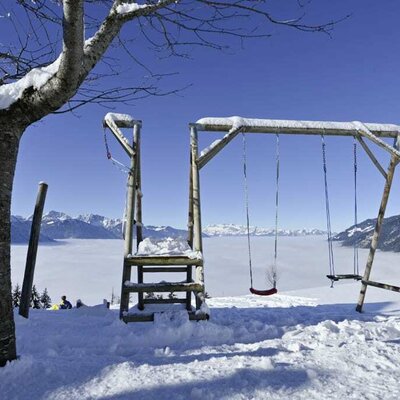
58 225
241 230
21 230
113 225
361 234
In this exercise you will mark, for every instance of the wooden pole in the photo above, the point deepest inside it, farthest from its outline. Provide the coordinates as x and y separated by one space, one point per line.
197 232
129 226
139 195
375 238
190 214
32 251
139 228
190 232
130 202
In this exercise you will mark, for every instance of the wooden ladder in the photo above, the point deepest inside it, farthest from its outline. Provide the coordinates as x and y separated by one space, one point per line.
160 264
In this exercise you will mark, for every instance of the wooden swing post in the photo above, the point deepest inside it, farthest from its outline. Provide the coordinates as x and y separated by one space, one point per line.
194 205
375 238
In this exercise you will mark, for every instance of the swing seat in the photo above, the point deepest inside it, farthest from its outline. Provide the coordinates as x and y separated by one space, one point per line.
344 276
268 292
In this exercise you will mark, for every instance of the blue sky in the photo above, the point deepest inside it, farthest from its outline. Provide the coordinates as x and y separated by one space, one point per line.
352 75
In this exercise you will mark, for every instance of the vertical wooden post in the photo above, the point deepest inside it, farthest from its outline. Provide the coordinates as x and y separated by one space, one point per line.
375 238
139 228
190 229
197 232
32 251
129 226
139 195
190 214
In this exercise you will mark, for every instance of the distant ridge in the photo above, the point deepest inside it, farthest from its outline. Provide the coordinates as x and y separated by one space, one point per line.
241 230
58 225
362 234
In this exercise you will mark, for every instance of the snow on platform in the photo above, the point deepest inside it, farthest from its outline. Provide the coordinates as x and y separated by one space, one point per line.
280 347
166 247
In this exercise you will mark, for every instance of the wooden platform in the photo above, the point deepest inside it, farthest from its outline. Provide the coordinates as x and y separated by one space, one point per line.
152 293
162 260
163 287
149 317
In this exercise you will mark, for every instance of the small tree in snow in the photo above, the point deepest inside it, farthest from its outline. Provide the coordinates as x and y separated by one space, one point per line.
272 275
16 296
45 299
35 298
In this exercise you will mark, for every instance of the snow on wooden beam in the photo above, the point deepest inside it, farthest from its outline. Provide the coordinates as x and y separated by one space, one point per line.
121 120
252 125
112 122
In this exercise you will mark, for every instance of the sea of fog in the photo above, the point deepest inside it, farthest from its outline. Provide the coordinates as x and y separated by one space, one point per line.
91 269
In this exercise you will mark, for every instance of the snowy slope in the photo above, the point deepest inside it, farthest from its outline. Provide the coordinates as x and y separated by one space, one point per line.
279 347
308 343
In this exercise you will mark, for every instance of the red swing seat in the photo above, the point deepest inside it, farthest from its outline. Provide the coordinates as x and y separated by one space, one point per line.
268 292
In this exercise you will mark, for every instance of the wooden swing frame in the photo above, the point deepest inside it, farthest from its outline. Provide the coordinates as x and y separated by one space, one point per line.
235 125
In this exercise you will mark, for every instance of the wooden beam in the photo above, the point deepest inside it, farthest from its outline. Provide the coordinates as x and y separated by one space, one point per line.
382 286
163 287
371 156
32 251
120 137
164 301
164 269
216 147
377 231
273 126
148 317
362 129
163 260
121 120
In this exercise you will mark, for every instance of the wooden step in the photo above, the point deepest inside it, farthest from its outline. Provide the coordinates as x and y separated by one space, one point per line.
163 287
148 317
162 260
164 301
165 268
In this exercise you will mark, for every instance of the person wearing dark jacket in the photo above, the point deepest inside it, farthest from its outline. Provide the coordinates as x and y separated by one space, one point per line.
65 304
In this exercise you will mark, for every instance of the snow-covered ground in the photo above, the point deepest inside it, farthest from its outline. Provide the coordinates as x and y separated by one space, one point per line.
279 347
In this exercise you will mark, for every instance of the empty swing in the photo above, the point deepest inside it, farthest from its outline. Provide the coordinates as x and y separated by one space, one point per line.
332 274
273 274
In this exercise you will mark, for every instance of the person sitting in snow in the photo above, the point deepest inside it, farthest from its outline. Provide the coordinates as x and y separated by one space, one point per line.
65 304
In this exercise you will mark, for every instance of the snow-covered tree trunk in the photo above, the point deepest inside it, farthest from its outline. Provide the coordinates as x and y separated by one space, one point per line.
9 143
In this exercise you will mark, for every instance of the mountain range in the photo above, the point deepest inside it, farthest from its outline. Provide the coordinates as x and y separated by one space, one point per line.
57 225
361 235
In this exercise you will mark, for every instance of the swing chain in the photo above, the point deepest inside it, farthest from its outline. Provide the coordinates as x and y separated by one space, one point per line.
327 210
355 249
122 167
246 195
109 156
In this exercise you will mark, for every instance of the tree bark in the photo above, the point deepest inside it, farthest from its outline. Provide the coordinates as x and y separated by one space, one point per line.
9 144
